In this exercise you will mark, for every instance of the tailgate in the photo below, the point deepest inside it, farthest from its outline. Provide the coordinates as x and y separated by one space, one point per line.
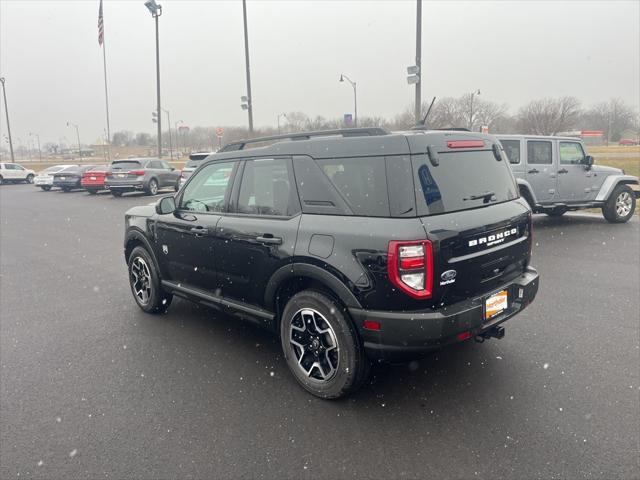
491 249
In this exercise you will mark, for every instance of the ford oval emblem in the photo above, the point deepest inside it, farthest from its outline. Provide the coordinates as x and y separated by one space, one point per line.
448 276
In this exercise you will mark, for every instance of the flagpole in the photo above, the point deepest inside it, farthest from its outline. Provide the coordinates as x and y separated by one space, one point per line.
106 96
102 42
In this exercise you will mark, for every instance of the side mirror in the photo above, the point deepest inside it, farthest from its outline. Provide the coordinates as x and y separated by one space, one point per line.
166 205
588 161
173 168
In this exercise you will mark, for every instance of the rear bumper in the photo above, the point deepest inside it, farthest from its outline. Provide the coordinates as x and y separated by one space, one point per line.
40 181
407 335
125 187
66 183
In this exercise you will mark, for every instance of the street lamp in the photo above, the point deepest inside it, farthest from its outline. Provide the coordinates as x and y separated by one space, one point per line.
178 136
38 137
156 11
355 98
170 142
281 115
69 124
474 93
6 111
248 100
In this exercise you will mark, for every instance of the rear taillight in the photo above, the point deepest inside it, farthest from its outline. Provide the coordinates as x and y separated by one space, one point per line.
410 267
138 173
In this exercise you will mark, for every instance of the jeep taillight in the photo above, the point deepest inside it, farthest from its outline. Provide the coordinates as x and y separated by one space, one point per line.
410 267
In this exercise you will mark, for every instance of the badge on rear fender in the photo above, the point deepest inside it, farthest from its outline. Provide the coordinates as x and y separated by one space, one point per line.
448 277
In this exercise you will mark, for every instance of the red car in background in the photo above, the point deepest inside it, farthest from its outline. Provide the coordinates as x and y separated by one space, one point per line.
93 179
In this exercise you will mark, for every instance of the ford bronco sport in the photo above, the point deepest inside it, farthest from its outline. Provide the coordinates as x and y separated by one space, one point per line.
554 175
353 245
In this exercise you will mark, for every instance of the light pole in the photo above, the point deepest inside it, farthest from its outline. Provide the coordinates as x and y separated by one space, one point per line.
249 101
281 115
169 126
343 77
418 105
473 94
156 11
6 111
69 124
38 138
177 135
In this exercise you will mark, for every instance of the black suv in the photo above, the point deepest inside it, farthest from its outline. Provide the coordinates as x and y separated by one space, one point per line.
353 245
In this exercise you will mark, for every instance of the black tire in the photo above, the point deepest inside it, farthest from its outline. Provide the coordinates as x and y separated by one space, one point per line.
1 180
152 187
344 365
92 191
66 189
527 198
116 193
29 178
620 205
46 188
147 292
556 212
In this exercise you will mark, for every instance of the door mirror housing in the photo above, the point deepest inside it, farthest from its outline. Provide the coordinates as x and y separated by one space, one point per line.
588 161
166 205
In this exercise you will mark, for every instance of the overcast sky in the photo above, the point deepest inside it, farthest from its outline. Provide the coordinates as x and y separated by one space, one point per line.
513 51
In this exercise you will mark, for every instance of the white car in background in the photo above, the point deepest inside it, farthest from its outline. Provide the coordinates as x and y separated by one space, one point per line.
44 179
195 159
12 172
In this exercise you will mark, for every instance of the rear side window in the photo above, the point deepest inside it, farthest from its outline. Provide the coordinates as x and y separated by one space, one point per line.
512 149
461 181
539 152
267 188
125 165
361 181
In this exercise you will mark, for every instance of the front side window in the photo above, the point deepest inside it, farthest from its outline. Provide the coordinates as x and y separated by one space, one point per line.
207 189
539 152
512 149
266 188
571 153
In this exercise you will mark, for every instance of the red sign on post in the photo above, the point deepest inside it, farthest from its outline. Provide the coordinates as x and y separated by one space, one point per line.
219 132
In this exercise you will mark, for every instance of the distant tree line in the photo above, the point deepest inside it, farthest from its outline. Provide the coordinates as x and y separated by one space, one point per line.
546 116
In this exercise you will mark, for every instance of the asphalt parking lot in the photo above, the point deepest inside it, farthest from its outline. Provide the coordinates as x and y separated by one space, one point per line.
91 387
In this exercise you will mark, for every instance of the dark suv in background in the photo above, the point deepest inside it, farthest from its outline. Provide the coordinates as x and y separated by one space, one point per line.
141 174
353 245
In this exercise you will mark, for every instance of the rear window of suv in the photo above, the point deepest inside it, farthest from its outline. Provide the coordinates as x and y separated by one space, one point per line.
460 181
125 165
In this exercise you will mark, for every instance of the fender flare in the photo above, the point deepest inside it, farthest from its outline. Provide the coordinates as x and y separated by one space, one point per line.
611 182
313 272
138 235
523 184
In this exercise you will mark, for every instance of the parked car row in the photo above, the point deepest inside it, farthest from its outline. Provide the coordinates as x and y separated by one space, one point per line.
148 175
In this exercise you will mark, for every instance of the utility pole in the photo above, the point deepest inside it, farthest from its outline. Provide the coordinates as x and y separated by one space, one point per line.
78 137
156 11
6 111
169 127
246 55
418 106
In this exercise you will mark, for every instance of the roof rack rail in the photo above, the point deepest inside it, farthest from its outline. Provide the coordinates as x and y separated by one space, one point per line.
345 132
451 129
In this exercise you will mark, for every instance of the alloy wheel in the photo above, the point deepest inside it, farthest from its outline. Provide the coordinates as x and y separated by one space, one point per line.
141 280
153 187
314 344
623 204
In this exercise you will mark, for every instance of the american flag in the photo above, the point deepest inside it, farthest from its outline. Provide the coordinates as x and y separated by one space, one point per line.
100 25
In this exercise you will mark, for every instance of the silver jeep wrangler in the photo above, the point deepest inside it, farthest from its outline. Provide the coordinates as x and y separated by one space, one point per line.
555 175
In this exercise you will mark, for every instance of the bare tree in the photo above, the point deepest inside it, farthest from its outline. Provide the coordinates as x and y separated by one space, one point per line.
612 117
549 116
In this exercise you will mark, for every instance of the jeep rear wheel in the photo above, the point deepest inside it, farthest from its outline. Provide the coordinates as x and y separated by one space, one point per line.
145 283
620 205
322 349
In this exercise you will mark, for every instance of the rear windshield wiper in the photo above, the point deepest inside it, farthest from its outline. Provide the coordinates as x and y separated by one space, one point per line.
483 196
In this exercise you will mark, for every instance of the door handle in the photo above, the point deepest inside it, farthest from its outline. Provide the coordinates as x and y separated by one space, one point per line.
533 170
269 239
564 170
199 231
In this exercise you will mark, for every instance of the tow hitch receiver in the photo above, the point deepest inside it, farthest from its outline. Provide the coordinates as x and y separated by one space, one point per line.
495 332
